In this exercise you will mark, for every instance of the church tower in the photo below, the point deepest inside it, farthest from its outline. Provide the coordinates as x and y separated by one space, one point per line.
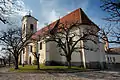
29 26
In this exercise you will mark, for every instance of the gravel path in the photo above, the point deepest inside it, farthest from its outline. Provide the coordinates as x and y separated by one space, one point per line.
37 76
5 69
93 75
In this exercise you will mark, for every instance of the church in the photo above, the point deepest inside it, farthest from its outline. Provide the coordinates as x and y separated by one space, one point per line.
49 53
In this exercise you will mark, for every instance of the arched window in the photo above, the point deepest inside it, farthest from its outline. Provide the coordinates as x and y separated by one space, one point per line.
40 45
31 27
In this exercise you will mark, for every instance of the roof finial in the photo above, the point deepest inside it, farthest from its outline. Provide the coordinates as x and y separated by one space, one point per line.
29 12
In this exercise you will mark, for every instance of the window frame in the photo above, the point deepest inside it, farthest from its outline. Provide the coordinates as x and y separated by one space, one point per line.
32 27
31 50
40 45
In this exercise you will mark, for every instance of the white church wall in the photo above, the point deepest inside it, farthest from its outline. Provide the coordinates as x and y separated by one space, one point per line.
42 51
30 55
53 52
112 58
76 57
95 53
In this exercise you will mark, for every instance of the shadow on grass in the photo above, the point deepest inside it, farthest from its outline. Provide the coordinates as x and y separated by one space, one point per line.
48 69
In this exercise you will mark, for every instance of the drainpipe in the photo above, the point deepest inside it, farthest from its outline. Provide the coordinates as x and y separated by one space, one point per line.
82 50
83 56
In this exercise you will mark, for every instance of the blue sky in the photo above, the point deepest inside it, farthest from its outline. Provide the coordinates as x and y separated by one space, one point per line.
46 11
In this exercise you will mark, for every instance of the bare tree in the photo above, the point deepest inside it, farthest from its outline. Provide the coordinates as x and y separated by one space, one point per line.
112 31
8 8
7 55
68 37
113 8
110 34
14 42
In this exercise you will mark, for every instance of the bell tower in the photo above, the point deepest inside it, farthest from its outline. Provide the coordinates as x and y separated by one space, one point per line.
29 26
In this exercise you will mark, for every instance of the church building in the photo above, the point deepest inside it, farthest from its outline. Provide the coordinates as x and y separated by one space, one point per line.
49 53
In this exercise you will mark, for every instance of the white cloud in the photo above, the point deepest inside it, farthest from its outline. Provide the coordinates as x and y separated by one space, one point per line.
53 16
41 1
22 9
51 10
48 12
49 17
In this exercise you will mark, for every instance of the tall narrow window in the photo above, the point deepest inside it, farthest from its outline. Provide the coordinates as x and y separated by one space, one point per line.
24 29
40 45
23 50
30 48
31 27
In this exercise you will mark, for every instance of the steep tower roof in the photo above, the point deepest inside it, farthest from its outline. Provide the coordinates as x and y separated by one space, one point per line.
75 16
26 16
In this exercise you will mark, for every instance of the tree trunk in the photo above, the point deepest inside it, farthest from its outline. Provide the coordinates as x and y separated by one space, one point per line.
69 64
4 62
38 66
9 59
69 61
16 63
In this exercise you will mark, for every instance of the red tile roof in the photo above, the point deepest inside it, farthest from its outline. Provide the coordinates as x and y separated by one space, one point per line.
75 16
114 50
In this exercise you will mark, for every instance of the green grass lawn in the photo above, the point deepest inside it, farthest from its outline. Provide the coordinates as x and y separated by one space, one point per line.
43 68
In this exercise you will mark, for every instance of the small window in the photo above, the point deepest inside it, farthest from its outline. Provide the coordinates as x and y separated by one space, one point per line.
31 27
40 45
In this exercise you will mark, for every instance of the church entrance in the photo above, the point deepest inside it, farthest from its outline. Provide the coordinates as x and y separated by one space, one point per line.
30 60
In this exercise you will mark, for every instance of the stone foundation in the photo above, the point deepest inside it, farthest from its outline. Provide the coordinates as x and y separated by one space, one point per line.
91 65
113 65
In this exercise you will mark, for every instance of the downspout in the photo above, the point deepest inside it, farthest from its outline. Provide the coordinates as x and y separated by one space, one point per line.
83 56
82 50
